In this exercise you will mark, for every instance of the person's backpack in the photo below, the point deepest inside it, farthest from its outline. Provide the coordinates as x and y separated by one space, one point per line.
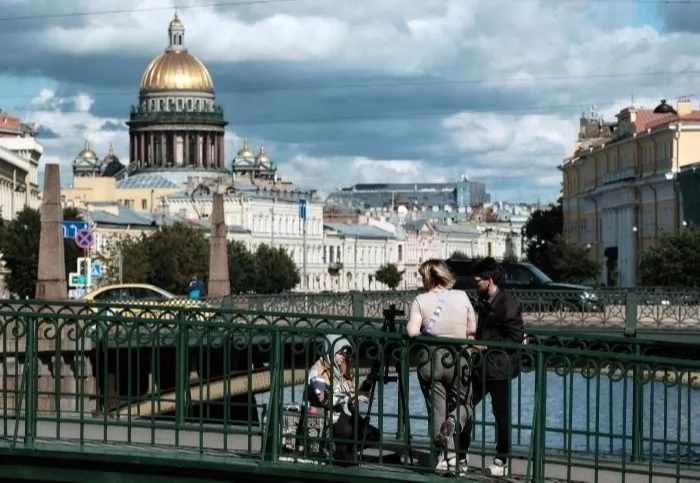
195 289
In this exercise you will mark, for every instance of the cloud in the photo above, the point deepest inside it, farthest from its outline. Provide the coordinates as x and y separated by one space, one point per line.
380 90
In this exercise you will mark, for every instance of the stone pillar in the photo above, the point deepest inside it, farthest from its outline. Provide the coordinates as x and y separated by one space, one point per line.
163 150
222 154
186 149
219 281
198 144
51 274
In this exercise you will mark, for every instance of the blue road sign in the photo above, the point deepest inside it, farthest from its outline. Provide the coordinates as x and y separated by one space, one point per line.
72 227
84 238
302 209
96 271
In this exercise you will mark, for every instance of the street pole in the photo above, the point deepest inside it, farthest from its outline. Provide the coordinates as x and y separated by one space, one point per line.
305 283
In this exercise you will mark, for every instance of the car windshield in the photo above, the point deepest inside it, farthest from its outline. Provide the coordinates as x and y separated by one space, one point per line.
539 274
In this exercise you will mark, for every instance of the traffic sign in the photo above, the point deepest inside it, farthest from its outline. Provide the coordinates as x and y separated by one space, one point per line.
76 293
96 270
72 227
84 238
76 279
302 209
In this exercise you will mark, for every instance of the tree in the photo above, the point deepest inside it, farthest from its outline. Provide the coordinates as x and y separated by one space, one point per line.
675 262
572 262
241 268
275 270
176 253
136 262
389 275
167 258
540 232
19 242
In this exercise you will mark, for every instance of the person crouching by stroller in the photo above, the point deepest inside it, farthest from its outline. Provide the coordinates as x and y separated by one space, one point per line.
334 372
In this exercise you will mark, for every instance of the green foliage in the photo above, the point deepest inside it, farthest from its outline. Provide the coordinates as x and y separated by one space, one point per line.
241 268
170 256
19 243
275 271
553 253
572 262
675 262
389 275
540 232
176 253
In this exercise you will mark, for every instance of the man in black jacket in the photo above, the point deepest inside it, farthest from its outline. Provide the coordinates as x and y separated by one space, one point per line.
499 319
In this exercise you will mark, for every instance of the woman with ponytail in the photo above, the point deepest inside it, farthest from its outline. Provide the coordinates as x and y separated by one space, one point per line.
443 312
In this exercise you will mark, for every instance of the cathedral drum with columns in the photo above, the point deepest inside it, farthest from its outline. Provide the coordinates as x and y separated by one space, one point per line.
177 126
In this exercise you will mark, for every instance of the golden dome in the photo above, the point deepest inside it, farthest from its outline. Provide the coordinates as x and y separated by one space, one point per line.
262 156
177 71
245 151
87 152
176 22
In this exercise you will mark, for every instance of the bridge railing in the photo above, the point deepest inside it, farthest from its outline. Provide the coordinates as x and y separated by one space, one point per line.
210 384
623 310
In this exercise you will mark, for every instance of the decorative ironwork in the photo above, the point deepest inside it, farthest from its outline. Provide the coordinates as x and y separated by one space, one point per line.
188 380
628 311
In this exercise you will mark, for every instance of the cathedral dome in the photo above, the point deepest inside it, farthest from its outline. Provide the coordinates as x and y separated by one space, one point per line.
177 69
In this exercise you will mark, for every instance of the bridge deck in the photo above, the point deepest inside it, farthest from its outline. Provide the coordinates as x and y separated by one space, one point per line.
94 436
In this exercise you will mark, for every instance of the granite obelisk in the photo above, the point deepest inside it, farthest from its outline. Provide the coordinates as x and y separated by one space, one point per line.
51 274
219 281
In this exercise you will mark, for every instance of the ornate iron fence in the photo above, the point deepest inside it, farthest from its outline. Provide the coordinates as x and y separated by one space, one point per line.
217 383
625 311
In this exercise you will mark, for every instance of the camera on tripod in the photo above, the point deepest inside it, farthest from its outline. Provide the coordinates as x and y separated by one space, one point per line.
380 373
391 313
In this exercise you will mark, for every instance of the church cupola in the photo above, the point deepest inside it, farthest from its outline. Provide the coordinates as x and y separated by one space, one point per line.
176 34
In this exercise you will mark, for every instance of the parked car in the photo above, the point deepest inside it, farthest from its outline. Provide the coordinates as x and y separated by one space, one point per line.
536 290
140 299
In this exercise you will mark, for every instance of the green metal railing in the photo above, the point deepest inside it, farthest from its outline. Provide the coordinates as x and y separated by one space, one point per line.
625 310
209 385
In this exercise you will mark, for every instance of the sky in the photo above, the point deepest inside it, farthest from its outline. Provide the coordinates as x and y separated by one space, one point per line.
363 91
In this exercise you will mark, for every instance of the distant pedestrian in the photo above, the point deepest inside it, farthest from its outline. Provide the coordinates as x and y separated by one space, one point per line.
196 288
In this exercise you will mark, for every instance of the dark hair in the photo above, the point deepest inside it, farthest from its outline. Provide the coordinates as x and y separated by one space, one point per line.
488 268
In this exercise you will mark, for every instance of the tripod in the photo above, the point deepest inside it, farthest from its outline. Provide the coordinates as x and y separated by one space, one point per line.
380 373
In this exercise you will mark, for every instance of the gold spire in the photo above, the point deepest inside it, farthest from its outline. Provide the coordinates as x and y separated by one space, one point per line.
245 151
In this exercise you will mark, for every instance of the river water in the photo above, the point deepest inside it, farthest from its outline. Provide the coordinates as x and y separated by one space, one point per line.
574 405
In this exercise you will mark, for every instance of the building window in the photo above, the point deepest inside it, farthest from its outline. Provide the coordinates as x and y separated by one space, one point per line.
400 253
144 205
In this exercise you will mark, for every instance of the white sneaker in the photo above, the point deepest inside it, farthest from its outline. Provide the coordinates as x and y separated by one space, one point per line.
450 465
497 468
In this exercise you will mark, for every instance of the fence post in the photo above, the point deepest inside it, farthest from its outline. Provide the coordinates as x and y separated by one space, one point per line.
637 409
631 308
275 400
31 360
358 304
182 373
539 426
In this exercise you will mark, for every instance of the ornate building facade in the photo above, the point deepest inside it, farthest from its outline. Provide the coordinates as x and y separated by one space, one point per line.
177 123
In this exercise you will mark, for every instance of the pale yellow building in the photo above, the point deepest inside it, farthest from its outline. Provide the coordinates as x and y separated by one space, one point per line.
620 187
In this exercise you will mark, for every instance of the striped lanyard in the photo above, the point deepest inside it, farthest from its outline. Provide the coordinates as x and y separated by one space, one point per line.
442 298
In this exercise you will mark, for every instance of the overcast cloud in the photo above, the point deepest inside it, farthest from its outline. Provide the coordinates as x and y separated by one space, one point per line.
364 91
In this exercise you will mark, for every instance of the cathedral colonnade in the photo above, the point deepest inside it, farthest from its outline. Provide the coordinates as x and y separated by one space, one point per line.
174 148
